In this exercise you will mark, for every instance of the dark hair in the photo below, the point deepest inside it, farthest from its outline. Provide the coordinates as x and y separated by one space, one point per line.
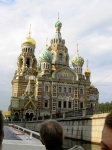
1 128
51 133
108 120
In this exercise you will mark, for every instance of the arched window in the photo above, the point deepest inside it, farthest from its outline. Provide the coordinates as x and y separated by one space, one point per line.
69 104
44 65
64 104
46 103
81 104
60 89
81 91
60 58
91 105
28 63
46 88
65 89
59 104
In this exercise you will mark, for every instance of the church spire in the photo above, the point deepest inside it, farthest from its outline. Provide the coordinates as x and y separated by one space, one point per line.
77 50
87 69
87 63
58 16
46 43
29 33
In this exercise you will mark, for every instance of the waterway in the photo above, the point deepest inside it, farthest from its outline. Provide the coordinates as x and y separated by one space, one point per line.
68 143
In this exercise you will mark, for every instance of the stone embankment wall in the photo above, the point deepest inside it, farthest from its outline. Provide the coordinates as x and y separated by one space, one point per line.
86 128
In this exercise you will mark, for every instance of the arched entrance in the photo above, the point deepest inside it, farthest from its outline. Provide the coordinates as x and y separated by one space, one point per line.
16 116
29 115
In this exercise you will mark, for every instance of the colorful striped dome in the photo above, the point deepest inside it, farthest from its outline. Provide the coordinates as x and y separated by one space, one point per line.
58 24
46 56
77 60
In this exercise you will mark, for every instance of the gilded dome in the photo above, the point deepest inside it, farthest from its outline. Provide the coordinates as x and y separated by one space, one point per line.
91 86
29 40
87 71
46 56
77 60
7 113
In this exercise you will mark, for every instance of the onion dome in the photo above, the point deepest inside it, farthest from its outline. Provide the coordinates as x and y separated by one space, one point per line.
29 39
58 24
7 114
77 60
91 86
87 71
46 56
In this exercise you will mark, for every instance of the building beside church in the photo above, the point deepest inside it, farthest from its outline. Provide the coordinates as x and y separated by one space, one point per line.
48 84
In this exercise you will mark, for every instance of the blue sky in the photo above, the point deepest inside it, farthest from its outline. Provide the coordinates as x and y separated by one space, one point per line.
88 23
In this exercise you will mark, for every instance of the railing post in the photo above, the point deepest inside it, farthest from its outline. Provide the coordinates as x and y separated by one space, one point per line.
30 135
63 115
84 112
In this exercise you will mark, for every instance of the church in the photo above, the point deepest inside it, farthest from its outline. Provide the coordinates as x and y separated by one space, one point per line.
48 84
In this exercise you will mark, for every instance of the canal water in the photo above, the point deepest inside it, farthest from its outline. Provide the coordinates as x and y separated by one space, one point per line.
68 143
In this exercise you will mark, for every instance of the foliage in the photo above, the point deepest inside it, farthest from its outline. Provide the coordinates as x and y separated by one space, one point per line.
105 107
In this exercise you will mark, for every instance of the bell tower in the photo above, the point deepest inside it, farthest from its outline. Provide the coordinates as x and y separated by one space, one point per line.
60 56
26 66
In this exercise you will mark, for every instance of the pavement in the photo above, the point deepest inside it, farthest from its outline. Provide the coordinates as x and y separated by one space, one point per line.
9 134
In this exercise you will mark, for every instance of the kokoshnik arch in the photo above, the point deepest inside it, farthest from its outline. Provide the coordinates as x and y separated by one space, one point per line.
48 84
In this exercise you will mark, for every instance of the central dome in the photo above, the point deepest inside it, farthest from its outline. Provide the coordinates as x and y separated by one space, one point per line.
29 40
77 60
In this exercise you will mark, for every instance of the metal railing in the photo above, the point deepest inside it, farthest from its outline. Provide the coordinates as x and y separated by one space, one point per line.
74 113
30 132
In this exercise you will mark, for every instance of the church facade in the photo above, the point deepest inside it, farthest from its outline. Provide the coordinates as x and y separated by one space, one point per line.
49 84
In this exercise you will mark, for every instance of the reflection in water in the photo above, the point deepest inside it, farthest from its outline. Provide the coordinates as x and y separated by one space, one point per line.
68 143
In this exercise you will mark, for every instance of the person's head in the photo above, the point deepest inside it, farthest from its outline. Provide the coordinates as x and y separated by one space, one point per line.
106 141
51 134
1 129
